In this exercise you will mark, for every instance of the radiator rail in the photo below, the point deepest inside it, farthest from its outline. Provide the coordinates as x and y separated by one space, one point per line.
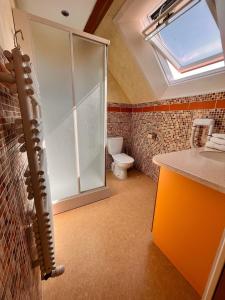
31 140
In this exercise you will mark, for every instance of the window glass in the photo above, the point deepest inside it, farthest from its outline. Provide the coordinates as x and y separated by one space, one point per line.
192 38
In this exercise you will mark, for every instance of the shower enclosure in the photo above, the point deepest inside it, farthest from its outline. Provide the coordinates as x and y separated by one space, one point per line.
71 72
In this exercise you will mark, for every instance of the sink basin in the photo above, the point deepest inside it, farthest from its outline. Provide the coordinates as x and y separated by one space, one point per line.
214 155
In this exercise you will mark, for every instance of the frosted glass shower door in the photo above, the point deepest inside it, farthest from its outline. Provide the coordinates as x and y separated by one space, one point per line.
52 51
89 82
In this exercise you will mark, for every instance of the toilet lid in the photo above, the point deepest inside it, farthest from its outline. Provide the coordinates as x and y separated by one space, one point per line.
123 158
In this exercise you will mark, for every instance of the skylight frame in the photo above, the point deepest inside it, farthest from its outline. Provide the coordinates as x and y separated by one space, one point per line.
164 56
169 77
168 56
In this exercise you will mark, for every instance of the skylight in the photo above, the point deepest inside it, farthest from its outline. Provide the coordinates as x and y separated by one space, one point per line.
191 43
177 75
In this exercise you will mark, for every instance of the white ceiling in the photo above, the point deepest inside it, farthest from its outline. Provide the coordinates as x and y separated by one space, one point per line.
79 10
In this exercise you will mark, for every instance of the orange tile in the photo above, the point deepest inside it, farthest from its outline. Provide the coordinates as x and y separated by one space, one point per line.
179 106
126 109
137 109
114 109
202 105
148 108
220 104
162 107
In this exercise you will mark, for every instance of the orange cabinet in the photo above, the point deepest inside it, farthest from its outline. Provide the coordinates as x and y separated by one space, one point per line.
188 223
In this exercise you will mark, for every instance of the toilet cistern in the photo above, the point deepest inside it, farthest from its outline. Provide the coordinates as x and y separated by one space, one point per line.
121 161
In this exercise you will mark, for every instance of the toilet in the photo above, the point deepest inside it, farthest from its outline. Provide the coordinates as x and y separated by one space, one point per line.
121 161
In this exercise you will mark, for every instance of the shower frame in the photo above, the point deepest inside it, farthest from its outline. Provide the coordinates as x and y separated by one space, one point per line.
21 21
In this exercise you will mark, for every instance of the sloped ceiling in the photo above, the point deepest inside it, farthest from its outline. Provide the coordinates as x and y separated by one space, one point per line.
133 63
115 93
122 65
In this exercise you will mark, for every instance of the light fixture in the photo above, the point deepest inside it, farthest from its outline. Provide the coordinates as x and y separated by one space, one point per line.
65 13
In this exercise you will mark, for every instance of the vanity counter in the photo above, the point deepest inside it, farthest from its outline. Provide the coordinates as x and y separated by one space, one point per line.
190 163
189 217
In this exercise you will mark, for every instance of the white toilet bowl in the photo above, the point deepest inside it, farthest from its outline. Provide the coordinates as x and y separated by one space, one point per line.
121 161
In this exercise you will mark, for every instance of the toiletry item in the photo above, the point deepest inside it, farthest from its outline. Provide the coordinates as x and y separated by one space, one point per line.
217 140
219 135
212 145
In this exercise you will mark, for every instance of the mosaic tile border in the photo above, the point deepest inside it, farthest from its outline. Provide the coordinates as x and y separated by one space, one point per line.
170 107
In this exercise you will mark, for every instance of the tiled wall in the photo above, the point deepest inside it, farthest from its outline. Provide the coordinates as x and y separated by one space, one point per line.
170 120
18 280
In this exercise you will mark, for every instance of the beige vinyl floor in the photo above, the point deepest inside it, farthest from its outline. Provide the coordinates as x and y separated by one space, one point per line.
108 252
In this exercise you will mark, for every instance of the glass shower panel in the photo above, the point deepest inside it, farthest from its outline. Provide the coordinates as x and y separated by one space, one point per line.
89 78
52 51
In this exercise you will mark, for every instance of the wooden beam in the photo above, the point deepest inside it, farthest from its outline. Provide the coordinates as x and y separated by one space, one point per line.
100 9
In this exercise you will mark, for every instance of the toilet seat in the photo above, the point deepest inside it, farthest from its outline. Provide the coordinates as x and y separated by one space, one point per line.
122 158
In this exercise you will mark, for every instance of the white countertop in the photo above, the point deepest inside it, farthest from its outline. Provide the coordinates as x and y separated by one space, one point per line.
191 164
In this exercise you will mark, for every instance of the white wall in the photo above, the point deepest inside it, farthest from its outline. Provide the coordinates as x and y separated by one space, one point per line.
6 24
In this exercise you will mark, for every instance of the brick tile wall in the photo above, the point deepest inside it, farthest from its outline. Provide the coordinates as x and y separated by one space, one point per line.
18 280
170 119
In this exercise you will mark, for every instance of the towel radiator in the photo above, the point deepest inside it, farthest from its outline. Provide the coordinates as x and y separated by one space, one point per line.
30 138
